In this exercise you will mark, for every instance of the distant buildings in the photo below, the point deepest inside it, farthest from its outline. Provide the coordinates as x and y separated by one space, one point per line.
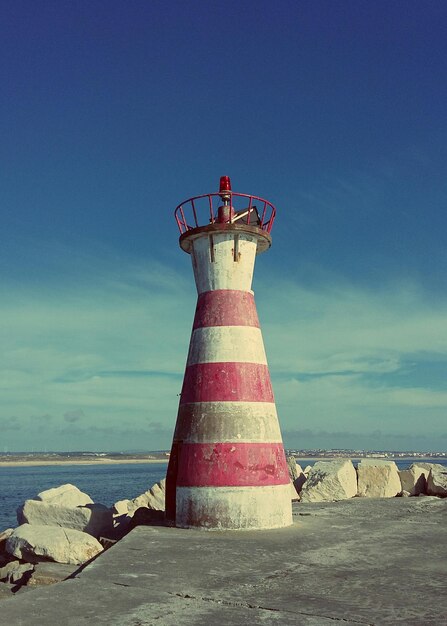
359 454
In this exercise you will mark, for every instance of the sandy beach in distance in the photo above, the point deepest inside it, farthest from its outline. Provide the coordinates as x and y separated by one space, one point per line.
107 461
96 461
23 462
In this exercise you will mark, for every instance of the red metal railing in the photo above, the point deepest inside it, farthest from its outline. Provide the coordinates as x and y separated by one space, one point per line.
201 211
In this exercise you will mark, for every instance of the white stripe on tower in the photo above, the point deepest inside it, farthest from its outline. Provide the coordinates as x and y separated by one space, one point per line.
208 422
216 344
226 507
214 263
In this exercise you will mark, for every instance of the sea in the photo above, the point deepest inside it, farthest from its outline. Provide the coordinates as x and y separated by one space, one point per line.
105 484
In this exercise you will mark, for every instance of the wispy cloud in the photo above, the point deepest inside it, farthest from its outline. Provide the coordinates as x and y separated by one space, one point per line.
349 357
109 352
73 416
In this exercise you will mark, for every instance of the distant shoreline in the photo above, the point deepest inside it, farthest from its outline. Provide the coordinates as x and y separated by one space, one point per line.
100 461
96 461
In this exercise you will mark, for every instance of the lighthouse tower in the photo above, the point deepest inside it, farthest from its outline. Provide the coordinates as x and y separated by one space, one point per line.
227 468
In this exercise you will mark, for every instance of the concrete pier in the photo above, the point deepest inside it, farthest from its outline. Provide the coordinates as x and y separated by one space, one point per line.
359 561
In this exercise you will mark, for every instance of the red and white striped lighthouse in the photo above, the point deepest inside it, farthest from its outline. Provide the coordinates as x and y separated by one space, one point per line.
227 468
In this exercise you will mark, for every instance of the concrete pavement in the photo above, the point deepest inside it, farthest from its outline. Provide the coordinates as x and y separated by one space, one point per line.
358 561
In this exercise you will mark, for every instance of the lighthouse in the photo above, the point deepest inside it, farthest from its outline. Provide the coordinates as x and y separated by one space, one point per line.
227 467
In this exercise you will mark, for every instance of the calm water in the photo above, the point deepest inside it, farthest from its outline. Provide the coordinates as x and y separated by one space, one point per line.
105 484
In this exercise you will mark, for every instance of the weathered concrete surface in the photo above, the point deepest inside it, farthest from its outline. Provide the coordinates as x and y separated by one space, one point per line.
358 561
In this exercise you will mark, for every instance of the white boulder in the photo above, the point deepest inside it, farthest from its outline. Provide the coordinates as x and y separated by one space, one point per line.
437 482
63 545
294 495
121 507
64 495
153 499
300 479
95 519
15 571
414 479
3 537
297 477
293 469
378 478
330 480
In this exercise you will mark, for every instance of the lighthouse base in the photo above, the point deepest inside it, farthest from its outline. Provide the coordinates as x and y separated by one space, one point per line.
233 508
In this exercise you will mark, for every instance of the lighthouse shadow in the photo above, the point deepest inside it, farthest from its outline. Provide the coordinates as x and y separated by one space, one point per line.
148 517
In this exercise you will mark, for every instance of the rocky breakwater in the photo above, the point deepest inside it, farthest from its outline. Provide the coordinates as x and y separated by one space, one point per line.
339 479
61 529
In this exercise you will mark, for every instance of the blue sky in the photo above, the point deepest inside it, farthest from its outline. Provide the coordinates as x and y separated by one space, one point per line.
111 113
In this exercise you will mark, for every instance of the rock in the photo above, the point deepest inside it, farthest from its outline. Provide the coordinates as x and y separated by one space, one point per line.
437 482
330 480
297 478
3 537
106 542
6 590
124 510
16 572
405 494
300 480
65 495
95 519
153 499
428 466
294 495
149 517
414 479
292 465
120 526
48 573
64 545
307 469
4 558
121 507
378 479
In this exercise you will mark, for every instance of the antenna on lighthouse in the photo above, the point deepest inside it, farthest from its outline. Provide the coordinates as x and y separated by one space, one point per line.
227 467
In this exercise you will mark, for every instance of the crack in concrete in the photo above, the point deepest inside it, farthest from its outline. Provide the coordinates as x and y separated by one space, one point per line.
283 573
247 605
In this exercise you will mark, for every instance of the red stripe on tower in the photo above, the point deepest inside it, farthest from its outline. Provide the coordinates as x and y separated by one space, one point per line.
232 465
227 382
226 307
